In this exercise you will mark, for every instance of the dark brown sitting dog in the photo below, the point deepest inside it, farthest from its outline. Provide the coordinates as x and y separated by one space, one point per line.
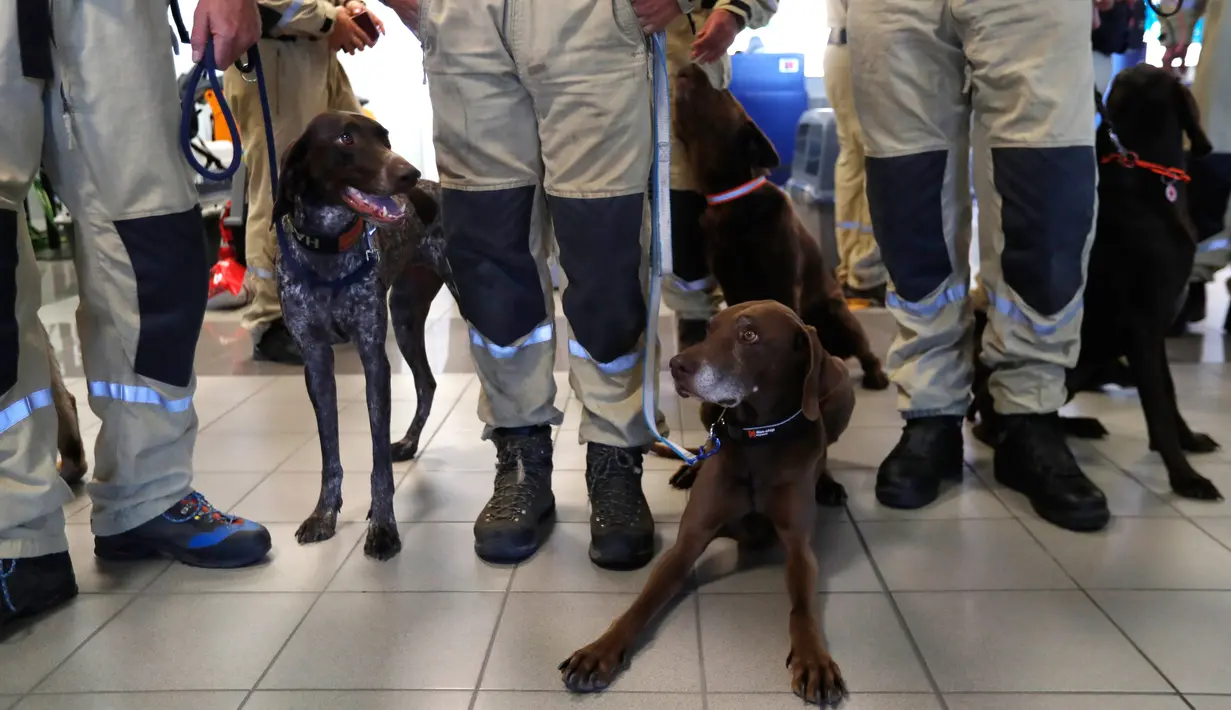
364 245
775 400
73 465
757 246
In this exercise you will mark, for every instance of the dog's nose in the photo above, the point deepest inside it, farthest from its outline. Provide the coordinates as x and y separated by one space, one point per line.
681 366
405 176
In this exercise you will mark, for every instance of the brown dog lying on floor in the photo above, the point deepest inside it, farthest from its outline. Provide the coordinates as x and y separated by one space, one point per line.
775 400
757 246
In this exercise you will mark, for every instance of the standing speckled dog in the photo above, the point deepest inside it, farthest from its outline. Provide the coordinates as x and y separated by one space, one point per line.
360 226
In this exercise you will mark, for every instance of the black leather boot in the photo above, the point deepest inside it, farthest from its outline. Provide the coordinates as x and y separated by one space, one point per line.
1034 460
621 527
510 526
33 585
277 345
929 451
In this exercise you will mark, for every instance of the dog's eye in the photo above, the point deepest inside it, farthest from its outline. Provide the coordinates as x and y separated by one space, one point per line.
747 336
346 139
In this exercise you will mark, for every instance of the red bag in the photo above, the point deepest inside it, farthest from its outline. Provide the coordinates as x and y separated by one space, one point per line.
226 278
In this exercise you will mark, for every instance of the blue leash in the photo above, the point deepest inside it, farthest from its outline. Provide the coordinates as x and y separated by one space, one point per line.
207 66
661 233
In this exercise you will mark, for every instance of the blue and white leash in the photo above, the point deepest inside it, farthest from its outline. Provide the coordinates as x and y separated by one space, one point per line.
660 250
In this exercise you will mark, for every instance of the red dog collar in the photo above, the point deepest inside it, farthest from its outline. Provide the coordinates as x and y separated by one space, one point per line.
736 193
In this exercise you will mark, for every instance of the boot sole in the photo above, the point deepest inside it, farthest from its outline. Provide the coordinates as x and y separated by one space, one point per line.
499 551
1091 520
46 604
632 556
901 498
130 550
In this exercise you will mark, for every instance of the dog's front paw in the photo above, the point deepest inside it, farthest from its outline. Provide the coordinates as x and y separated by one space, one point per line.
405 449
317 528
830 493
1198 443
683 479
592 668
383 541
875 380
815 677
1194 486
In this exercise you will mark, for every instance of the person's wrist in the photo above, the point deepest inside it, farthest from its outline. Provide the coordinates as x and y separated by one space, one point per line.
733 16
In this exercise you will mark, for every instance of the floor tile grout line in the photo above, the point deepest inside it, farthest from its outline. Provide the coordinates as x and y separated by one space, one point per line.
1090 597
321 595
491 642
696 601
131 599
897 611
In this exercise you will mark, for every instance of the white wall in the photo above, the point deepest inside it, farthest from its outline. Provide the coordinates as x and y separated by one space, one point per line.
390 76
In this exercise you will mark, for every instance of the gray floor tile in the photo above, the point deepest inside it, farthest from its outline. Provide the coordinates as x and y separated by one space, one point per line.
435 557
440 496
359 700
388 641
1057 701
221 641
859 701
95 575
252 453
538 631
1023 642
267 415
1183 633
289 497
940 555
28 654
291 567
1210 702
1220 528
7 701
563 564
842 565
863 447
132 701
455 450
354 451
744 642
610 700
1140 553
970 499
225 490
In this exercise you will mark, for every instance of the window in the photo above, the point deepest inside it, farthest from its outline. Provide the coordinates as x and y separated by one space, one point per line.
799 27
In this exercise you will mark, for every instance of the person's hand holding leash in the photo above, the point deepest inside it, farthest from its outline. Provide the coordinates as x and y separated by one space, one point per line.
655 15
408 13
234 25
716 37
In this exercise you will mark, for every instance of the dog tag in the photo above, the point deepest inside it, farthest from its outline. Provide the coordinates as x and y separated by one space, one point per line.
1171 193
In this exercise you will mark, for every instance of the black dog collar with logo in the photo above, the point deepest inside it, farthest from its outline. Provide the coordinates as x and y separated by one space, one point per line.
332 245
758 434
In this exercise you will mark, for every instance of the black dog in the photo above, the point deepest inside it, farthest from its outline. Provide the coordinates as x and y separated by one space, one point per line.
1139 266
351 240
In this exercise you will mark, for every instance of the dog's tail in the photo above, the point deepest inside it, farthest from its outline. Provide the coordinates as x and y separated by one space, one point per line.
662 450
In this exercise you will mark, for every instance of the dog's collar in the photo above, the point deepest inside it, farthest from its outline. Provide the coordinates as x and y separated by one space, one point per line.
736 193
309 275
1128 159
332 245
758 434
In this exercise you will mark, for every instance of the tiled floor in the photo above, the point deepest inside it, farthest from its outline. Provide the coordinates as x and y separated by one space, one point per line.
971 604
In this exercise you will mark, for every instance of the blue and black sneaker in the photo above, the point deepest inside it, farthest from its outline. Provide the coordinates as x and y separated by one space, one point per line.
33 585
192 532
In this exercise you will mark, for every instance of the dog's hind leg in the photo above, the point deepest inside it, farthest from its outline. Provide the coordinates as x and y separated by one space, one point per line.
1148 358
410 299
73 464
383 541
323 391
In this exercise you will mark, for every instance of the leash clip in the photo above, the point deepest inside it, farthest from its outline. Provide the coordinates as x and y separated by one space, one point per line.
704 453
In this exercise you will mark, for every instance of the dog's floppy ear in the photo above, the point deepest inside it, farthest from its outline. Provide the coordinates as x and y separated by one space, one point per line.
760 151
292 179
1190 119
424 205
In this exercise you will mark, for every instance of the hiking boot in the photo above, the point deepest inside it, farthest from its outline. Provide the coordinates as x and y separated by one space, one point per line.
1034 460
510 526
873 297
193 532
929 451
621 527
690 331
277 345
32 585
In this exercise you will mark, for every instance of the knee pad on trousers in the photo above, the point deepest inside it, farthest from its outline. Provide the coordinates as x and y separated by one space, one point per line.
600 252
904 198
487 237
10 332
687 239
168 258
1047 198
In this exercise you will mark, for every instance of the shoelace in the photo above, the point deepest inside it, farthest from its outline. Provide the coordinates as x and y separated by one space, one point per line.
512 497
4 582
195 506
615 487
